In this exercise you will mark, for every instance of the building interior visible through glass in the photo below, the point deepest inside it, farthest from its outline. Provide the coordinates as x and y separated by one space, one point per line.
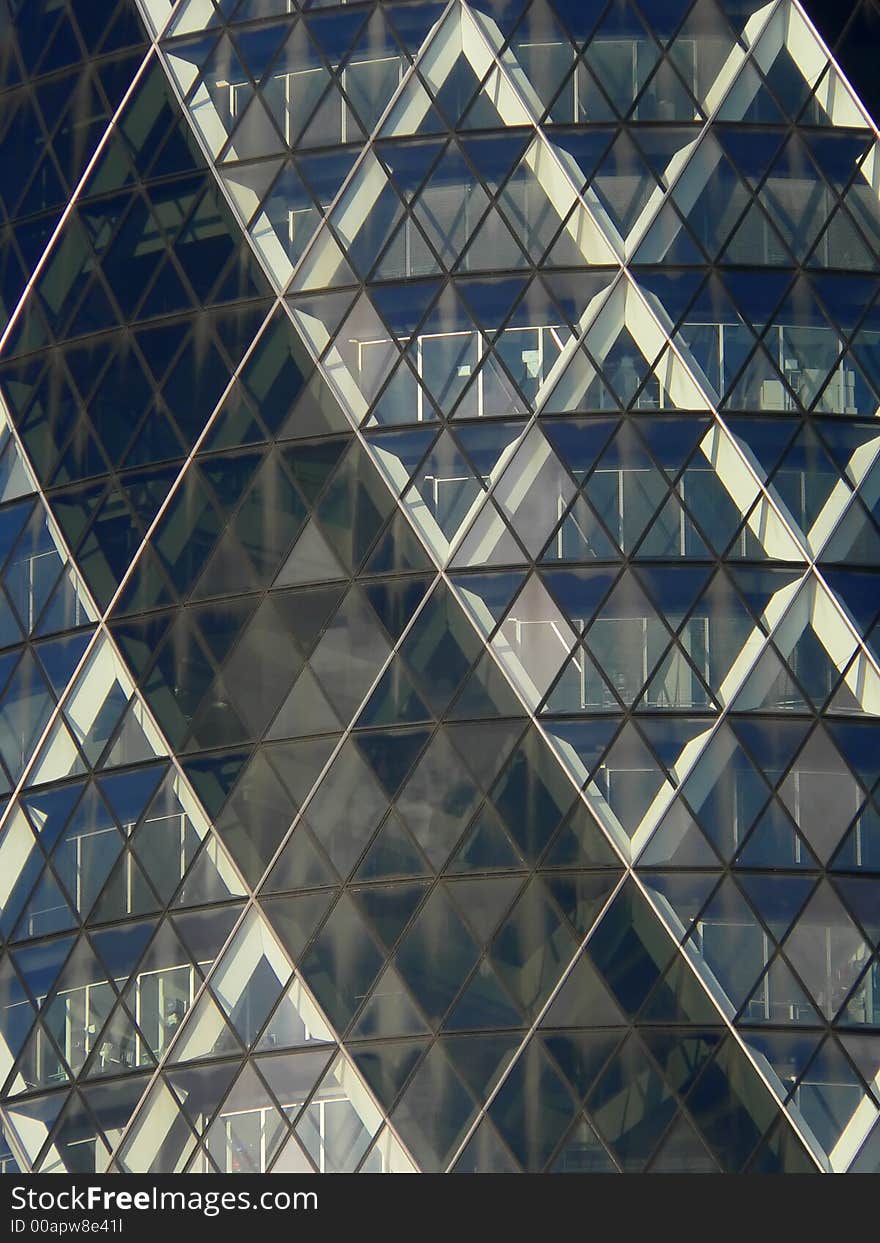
439 659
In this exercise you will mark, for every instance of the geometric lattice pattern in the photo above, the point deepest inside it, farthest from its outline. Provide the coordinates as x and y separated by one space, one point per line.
439 630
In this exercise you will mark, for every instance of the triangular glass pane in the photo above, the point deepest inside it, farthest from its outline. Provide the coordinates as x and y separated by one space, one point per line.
121 1047
679 841
622 55
136 739
390 1010
484 1004
825 912
358 1118
413 113
296 1022
623 183
292 1160
312 560
583 1000
46 912
486 846
683 1152
206 1034
126 893
583 1153
774 842
200 1090
248 1129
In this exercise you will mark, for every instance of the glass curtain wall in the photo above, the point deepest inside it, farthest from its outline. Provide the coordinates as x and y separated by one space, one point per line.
439 715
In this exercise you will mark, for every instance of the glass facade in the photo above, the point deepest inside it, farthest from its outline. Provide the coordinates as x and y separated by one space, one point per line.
439 642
